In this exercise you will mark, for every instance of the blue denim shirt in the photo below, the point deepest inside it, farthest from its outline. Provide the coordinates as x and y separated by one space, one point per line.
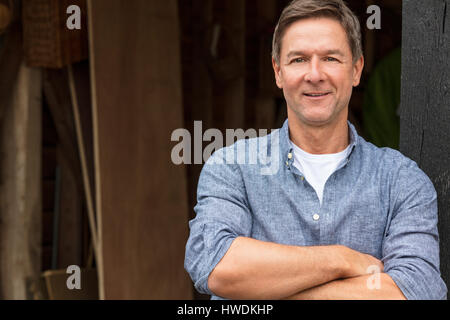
377 202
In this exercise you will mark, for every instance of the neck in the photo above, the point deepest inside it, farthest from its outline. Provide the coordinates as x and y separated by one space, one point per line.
325 139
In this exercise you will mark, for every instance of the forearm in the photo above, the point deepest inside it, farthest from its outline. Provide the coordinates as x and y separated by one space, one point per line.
253 269
366 287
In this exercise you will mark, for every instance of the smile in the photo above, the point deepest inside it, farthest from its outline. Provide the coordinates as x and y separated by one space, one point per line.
316 94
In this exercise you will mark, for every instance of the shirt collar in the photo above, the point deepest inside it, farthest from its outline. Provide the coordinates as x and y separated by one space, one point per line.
287 151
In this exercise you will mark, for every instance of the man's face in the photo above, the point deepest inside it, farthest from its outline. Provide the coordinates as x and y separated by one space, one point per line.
316 71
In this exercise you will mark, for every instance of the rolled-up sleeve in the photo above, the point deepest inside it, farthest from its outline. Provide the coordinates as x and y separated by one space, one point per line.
222 215
411 244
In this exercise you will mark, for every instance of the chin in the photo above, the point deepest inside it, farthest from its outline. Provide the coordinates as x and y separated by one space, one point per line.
316 119
317 122
314 115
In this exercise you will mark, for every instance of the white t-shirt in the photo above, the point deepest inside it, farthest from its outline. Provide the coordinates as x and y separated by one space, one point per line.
317 168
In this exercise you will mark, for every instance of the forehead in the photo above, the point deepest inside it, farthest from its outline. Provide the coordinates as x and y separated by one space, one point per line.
315 34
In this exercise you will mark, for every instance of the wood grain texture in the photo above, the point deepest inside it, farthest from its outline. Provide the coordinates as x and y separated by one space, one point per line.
20 186
425 103
137 101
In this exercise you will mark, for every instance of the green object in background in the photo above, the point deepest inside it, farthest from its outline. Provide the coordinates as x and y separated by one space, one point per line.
381 102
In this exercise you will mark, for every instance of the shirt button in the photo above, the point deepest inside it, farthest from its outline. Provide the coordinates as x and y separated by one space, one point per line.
290 156
316 217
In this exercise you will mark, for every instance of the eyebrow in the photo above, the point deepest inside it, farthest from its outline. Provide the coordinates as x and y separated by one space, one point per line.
328 52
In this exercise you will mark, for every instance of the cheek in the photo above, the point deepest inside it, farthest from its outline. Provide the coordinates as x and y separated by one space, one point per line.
292 79
343 80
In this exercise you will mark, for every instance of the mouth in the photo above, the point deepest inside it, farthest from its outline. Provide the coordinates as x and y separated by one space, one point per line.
316 95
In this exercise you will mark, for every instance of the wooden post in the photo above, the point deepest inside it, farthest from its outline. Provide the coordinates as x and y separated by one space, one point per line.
425 103
20 188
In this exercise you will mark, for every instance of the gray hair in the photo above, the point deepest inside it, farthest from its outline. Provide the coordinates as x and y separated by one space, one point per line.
303 9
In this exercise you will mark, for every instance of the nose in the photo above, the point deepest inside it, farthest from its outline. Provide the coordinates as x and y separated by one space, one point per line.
315 73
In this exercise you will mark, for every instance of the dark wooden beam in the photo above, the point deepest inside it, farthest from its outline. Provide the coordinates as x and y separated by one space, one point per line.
425 102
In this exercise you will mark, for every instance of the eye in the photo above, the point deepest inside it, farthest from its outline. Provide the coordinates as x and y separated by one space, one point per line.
331 59
298 60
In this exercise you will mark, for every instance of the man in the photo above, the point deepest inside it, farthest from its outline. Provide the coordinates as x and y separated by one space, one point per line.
336 210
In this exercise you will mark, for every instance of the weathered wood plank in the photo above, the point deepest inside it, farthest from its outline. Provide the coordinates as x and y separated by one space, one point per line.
141 195
425 102
20 188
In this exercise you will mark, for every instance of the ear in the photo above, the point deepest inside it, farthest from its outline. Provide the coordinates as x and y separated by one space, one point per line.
358 67
277 71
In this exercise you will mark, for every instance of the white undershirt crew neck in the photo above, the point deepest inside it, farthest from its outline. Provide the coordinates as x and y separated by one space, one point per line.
317 168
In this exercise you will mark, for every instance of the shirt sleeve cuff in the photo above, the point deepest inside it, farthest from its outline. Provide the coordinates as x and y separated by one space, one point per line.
407 287
202 284
403 284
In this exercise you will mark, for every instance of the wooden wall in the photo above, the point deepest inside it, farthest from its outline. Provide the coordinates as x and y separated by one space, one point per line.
425 103
141 195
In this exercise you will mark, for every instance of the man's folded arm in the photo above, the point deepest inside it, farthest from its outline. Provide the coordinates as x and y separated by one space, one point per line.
378 286
253 269
411 245
222 260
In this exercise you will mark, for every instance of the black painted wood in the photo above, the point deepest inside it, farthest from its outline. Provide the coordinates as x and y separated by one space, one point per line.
425 102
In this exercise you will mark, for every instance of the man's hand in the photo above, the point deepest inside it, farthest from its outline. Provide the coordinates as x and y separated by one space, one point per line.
354 285
356 288
357 263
